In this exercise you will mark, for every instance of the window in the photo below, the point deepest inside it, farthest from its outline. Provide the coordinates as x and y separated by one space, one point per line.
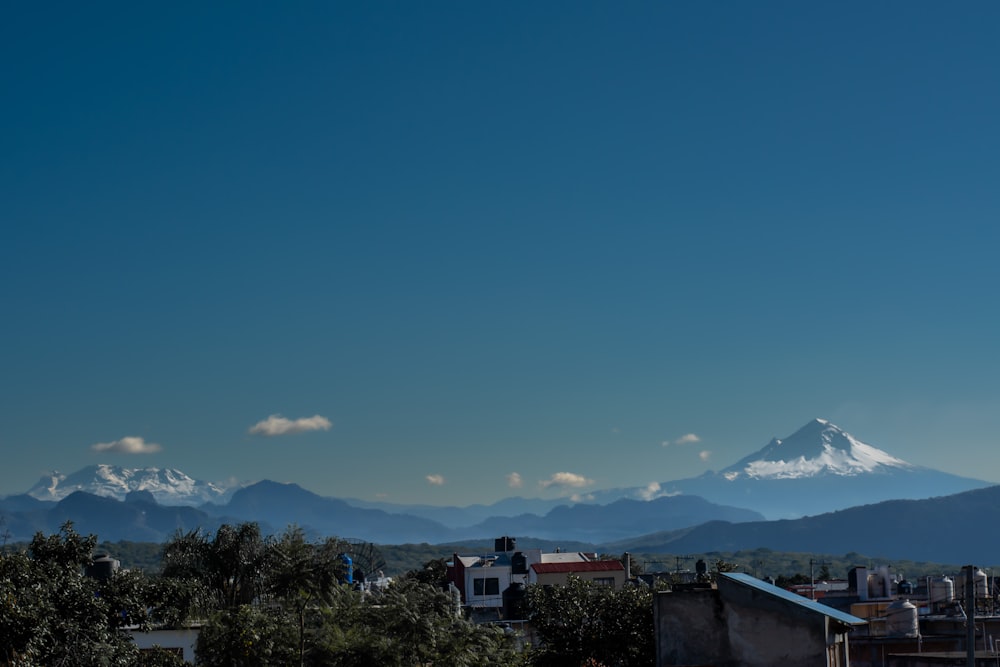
488 586
605 581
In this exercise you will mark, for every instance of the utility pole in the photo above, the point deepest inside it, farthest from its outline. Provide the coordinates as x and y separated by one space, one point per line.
970 615
812 577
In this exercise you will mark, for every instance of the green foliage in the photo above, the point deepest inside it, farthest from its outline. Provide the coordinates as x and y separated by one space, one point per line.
300 614
434 572
797 579
402 558
229 569
411 623
583 621
51 614
247 636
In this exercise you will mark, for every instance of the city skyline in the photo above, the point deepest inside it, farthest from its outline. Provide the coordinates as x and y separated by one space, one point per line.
452 253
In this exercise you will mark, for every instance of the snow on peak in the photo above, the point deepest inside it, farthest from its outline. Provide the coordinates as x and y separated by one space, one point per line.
168 486
818 448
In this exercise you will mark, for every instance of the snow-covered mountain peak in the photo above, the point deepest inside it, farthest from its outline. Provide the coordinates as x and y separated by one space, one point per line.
168 486
818 448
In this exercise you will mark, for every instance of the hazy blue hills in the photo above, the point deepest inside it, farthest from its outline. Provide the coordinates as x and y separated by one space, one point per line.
622 518
276 506
949 529
955 528
138 518
281 505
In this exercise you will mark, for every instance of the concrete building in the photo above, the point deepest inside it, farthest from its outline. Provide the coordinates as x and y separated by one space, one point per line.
482 579
179 641
606 572
742 621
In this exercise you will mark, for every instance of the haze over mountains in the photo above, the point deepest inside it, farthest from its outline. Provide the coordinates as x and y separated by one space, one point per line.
819 469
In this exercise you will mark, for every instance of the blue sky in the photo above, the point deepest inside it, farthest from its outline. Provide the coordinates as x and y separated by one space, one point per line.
465 240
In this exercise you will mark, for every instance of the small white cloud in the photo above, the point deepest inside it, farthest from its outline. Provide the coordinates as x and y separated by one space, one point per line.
436 480
686 439
704 455
127 445
577 498
514 480
566 479
278 425
651 491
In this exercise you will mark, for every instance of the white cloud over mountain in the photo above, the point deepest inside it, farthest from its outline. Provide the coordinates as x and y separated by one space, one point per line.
436 480
278 425
566 480
127 445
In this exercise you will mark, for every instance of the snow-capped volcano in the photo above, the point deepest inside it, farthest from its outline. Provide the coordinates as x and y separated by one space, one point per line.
168 486
819 468
818 448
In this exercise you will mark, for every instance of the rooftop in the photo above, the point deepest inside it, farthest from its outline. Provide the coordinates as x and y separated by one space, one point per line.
794 598
588 566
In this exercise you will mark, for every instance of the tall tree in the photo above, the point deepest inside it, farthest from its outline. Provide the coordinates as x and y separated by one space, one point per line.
230 567
303 576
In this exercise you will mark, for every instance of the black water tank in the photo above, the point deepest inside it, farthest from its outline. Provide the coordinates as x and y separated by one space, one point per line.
513 602
519 563
102 567
504 544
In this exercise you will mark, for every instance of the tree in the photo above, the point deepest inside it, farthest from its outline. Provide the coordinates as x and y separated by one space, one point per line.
51 614
582 621
796 579
303 576
409 624
433 572
230 568
246 636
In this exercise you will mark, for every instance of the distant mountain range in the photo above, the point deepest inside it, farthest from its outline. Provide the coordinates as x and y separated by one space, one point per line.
167 486
275 506
820 470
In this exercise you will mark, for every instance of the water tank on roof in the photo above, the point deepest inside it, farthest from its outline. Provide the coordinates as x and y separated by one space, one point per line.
103 566
901 619
519 563
348 568
941 590
905 587
700 568
980 583
504 544
876 586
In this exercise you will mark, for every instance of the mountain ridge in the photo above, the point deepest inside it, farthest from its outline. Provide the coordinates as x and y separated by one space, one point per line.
818 469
